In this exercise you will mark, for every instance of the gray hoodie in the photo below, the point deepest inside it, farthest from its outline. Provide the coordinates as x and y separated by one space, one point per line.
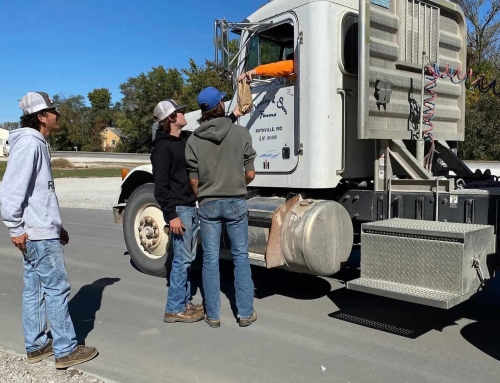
28 201
217 155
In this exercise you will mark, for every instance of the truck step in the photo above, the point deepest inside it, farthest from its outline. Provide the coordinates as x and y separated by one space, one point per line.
408 293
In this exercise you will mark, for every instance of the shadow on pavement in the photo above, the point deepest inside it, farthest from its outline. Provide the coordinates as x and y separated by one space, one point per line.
268 282
412 320
85 304
388 315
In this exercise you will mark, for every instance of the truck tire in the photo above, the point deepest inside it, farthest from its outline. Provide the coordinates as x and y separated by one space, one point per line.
143 229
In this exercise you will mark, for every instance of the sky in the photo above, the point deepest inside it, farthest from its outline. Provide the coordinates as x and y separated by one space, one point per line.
71 47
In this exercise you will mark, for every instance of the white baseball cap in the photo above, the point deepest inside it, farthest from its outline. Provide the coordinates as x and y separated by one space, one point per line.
34 102
165 108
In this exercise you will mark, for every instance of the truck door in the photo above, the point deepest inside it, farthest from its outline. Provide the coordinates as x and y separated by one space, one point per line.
273 123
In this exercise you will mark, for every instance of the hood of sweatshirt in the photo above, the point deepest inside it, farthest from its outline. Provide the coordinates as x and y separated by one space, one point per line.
163 136
214 130
16 135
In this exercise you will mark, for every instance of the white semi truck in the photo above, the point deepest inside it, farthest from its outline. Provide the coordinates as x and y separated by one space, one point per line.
346 154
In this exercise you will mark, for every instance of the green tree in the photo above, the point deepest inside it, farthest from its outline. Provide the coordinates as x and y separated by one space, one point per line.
100 99
199 77
10 125
101 116
141 94
74 123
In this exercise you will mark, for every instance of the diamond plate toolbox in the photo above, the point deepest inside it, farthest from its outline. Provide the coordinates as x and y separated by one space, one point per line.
426 254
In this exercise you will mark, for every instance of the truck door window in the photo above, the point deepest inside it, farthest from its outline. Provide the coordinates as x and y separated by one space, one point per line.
269 46
269 52
350 43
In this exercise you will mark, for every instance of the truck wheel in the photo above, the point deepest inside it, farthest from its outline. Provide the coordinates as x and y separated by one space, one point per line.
143 229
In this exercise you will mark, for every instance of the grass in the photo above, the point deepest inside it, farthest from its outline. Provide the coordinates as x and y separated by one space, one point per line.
75 172
61 163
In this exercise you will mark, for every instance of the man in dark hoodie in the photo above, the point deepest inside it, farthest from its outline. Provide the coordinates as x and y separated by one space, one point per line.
178 203
30 210
219 157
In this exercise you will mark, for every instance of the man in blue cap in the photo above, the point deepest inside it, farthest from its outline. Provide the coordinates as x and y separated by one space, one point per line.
220 163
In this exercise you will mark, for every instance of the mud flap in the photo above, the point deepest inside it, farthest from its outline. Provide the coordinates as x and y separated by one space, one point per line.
274 253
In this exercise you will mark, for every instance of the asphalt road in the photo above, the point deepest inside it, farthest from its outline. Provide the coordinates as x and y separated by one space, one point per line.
305 322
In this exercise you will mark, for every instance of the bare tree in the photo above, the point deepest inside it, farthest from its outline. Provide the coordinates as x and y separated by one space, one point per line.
483 38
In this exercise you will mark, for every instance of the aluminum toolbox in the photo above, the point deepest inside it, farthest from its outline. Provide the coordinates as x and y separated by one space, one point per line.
438 264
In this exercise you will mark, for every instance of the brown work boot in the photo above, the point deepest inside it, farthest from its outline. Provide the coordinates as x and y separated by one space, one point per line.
214 323
80 355
191 306
187 316
41 354
244 322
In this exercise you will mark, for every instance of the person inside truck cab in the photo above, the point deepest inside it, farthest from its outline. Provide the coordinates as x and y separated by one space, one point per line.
283 68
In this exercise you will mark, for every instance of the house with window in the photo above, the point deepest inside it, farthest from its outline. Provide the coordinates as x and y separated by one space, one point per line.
110 137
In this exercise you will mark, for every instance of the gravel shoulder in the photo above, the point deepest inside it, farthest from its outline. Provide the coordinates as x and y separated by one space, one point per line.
15 368
88 193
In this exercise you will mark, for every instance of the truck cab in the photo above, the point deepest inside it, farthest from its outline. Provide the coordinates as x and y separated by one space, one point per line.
359 136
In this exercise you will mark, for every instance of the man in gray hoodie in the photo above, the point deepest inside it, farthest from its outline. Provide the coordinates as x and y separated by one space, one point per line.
30 210
219 158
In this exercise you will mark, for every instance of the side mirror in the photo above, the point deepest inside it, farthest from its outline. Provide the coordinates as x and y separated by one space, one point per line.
153 132
234 78
221 40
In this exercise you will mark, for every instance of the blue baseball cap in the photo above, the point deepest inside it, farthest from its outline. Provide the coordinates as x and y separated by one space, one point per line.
209 98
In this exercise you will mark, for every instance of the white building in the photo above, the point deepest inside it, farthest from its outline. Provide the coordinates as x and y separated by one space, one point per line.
4 136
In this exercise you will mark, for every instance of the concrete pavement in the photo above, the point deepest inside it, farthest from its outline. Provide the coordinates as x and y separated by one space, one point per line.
304 323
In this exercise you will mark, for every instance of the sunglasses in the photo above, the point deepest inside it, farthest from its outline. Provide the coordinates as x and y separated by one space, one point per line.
181 111
53 111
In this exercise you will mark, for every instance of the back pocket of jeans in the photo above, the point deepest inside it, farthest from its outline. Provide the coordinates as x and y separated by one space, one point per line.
207 210
239 207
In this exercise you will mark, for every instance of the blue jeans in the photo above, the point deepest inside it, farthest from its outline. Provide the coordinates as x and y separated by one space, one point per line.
184 247
233 213
46 292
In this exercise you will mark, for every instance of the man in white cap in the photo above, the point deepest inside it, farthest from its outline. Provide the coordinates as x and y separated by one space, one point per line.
178 204
30 210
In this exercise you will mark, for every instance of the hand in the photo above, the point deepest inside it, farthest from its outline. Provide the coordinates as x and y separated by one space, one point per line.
64 237
238 113
177 226
248 75
20 242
